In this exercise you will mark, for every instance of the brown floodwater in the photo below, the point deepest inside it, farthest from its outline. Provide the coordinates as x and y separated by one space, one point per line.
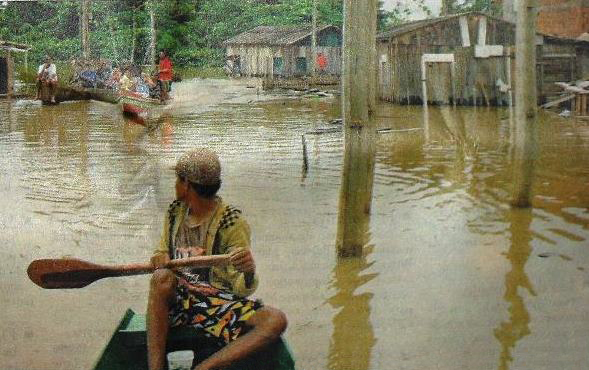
452 278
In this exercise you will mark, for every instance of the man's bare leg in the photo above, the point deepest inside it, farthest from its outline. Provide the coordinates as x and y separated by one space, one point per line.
161 292
266 325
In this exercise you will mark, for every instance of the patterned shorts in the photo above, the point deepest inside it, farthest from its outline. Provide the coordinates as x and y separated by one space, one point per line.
213 312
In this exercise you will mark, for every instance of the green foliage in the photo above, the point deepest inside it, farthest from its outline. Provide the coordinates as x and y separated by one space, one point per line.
199 57
401 13
188 72
191 30
486 6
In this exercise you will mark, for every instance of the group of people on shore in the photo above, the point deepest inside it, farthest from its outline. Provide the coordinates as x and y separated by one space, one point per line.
101 74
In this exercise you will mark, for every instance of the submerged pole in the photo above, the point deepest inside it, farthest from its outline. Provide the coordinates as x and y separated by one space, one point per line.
525 140
359 108
314 40
305 155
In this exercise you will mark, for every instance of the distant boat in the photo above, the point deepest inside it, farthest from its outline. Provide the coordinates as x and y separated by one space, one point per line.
104 95
135 105
127 349
70 93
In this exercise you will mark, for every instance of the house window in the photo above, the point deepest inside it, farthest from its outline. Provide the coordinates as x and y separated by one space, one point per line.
301 65
3 76
278 66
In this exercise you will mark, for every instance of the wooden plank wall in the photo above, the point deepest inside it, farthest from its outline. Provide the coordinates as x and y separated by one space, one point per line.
258 60
475 79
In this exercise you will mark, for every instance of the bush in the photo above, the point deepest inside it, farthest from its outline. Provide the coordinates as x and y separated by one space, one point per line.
200 72
204 57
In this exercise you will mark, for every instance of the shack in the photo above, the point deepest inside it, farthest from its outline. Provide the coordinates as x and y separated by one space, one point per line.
285 51
7 65
467 59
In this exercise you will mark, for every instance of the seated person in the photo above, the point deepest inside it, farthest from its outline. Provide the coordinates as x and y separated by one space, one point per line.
47 74
211 301
114 80
154 87
126 83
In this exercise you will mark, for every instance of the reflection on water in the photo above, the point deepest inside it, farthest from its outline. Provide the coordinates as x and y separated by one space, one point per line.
510 332
353 338
436 285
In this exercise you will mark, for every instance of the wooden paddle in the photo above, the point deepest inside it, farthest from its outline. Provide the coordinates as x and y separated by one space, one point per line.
65 273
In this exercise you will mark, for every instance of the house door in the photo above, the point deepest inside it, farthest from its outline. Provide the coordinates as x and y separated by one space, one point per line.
439 83
301 66
437 71
278 66
3 76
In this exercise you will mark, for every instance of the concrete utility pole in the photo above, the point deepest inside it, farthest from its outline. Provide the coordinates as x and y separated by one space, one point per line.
358 110
85 28
525 103
314 40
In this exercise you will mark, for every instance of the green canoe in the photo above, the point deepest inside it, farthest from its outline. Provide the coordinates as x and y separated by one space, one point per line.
127 349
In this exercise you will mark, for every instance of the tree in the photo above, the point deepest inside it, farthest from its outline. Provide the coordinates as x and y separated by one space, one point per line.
488 6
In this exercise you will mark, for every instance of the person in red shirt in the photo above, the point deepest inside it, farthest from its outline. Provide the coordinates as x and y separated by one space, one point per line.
321 62
165 75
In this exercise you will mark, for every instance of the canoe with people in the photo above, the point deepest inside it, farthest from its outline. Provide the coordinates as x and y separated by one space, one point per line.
145 96
203 275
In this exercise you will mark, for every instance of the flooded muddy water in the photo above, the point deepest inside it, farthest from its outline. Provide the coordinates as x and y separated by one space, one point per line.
453 278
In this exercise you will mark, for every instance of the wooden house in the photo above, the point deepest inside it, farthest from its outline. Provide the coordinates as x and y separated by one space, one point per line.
7 66
466 59
285 51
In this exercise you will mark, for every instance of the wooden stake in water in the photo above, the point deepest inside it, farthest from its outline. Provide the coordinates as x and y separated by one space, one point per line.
359 109
85 28
314 40
152 38
305 155
525 141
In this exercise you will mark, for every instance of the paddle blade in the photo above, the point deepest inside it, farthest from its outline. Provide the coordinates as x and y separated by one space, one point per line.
65 273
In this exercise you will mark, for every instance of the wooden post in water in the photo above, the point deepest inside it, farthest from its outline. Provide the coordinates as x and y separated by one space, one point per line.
525 103
133 38
152 43
314 41
85 28
358 110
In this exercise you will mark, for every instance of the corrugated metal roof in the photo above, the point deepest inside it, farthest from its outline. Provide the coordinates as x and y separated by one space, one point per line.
412 26
275 35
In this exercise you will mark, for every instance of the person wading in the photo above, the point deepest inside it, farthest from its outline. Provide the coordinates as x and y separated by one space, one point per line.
165 75
211 301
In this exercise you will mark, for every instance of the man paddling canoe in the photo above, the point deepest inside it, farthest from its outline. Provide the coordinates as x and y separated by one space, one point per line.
212 300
